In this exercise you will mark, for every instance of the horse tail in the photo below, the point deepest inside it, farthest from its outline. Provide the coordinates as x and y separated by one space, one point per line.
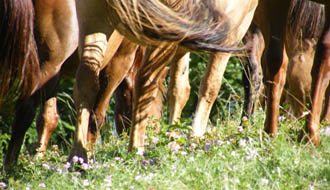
194 24
306 19
18 51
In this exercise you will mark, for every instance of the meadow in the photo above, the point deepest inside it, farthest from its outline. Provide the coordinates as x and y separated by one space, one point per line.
230 156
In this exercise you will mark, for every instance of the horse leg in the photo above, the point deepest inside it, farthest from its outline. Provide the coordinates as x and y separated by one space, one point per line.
94 49
48 117
320 81
179 87
276 60
124 96
326 110
208 92
252 72
24 115
145 90
57 36
114 74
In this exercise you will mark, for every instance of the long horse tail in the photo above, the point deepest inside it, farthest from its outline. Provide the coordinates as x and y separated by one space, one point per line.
19 64
306 19
194 24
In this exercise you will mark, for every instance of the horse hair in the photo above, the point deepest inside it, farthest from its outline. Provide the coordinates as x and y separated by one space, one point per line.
194 24
18 51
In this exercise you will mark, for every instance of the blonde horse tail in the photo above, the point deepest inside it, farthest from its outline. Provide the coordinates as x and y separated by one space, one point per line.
195 24
19 64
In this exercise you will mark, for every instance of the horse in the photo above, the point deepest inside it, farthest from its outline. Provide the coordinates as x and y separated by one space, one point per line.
56 35
137 23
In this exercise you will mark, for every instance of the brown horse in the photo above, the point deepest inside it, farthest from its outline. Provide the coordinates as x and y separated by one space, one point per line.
56 36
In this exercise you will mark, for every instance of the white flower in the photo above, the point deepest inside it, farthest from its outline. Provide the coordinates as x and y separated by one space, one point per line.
242 143
85 182
264 181
42 185
46 166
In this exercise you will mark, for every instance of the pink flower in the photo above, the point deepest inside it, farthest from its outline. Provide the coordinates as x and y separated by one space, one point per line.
3 184
42 185
84 166
75 159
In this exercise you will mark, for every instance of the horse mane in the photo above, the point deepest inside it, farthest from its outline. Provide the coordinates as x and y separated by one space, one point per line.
18 51
305 19
194 24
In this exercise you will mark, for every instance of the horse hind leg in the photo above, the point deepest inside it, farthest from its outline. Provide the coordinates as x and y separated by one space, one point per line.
145 90
24 115
252 72
179 87
209 89
320 78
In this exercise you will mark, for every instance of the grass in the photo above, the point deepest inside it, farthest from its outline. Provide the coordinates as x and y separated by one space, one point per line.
228 157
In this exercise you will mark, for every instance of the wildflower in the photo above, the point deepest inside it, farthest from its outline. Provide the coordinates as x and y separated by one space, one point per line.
183 153
42 185
325 131
264 181
240 129
46 166
67 165
84 166
207 146
193 145
281 118
3 184
108 181
81 160
75 159
85 182
154 140
145 162
139 153
174 146
242 143
251 154
310 187
117 158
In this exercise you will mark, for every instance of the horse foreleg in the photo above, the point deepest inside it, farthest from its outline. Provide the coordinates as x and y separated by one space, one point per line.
115 72
277 65
179 87
145 91
208 92
86 88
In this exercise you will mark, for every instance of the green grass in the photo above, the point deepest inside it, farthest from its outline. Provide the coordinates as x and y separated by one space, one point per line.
228 157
